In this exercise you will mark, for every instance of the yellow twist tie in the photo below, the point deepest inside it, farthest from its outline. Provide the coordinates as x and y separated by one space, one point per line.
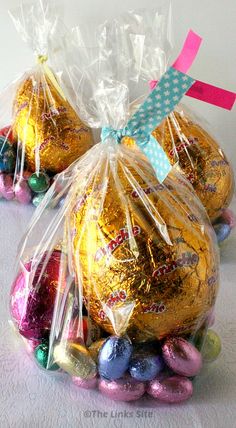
42 59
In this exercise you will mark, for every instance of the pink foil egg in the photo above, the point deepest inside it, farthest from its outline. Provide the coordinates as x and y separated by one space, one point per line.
33 296
6 187
85 383
23 193
182 357
125 389
174 389
229 217
19 294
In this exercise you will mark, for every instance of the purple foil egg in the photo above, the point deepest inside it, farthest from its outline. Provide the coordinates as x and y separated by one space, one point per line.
114 357
229 218
23 193
182 357
145 367
6 187
125 389
85 383
174 389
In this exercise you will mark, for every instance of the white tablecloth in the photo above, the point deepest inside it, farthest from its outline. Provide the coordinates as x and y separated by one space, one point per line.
31 398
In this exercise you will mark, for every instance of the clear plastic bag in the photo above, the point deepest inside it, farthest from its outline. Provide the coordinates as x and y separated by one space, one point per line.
41 133
117 285
183 136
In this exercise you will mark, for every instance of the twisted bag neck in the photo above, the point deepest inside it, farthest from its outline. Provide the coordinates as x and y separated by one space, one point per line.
158 105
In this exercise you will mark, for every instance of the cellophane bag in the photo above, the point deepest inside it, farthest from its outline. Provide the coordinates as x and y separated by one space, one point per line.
116 285
41 134
184 136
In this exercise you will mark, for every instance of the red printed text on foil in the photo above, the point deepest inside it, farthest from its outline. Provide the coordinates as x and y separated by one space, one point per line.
123 236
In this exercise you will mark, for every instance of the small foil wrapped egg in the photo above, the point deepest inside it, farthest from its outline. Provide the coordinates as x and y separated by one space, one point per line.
182 357
75 360
7 156
173 389
196 154
145 367
144 251
125 389
33 296
46 126
114 357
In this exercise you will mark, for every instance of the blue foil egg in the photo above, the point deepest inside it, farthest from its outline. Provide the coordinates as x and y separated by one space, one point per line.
146 367
114 357
61 202
222 231
7 156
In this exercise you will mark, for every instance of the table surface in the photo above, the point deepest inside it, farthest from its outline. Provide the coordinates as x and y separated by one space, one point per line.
32 398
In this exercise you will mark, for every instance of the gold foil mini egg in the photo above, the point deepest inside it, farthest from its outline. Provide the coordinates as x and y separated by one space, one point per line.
75 359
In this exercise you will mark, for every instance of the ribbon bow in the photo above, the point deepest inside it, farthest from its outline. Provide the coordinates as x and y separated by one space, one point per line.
157 106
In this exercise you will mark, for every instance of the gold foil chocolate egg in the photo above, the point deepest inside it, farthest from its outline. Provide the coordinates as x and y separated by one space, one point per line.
199 157
45 125
74 359
144 251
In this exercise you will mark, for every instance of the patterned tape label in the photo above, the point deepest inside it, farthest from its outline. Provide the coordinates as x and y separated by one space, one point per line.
159 104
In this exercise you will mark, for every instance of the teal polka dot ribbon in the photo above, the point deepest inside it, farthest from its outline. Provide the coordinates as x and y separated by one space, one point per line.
157 106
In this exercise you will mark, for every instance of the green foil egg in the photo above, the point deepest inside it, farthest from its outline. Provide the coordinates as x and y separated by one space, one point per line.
212 347
39 183
41 354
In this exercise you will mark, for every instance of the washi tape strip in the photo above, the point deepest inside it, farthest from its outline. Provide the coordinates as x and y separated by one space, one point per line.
201 91
212 95
189 52
187 55
159 104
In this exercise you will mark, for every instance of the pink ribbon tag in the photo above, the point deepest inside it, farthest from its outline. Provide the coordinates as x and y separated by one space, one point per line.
212 95
201 91
186 57
189 52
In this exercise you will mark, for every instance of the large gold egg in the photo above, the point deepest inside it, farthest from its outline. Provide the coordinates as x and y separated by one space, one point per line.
200 158
46 126
143 251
